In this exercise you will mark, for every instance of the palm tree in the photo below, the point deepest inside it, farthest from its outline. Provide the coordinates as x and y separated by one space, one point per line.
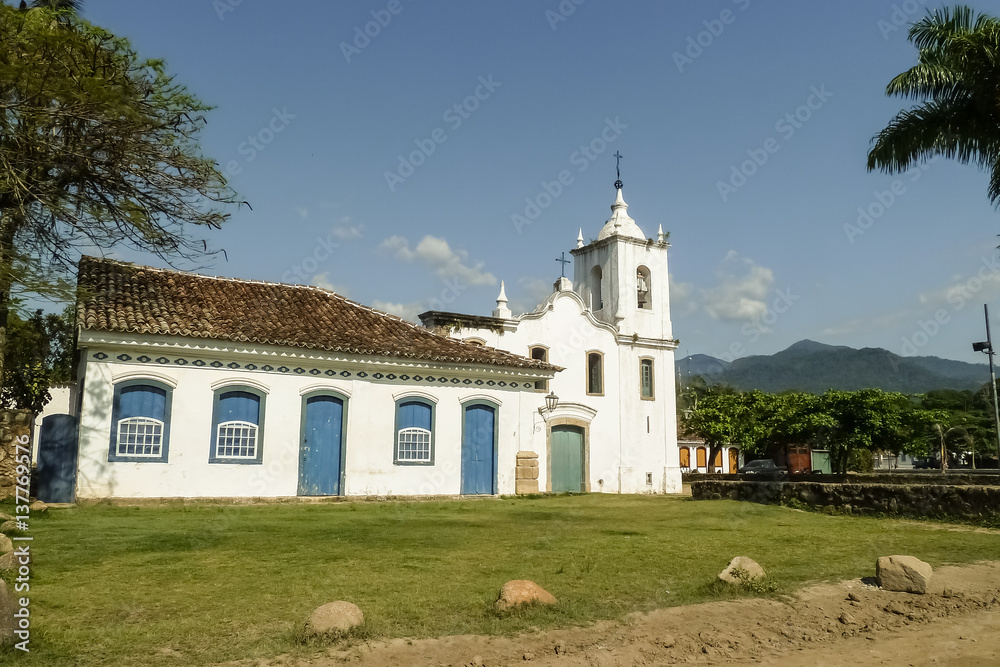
957 80
70 5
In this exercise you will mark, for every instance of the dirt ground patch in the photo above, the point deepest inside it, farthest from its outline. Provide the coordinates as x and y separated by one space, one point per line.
849 623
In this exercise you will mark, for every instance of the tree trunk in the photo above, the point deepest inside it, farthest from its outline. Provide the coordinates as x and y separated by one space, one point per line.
713 452
8 227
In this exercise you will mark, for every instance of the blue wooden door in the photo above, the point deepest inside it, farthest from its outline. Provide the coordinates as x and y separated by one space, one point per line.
320 451
479 450
567 459
57 446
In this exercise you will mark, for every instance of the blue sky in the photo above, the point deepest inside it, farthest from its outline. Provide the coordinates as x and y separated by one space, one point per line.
744 127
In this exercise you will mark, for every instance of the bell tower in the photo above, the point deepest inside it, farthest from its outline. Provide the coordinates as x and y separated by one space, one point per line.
622 275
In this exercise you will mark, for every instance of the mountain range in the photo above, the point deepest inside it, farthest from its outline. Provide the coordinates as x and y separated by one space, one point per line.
815 367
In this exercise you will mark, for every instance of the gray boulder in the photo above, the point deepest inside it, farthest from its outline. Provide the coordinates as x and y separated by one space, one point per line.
748 565
903 573
334 619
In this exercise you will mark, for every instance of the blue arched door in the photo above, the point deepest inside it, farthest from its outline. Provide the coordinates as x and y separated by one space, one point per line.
321 450
479 450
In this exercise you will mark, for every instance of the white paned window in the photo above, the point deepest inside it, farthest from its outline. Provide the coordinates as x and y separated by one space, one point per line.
140 436
414 444
236 440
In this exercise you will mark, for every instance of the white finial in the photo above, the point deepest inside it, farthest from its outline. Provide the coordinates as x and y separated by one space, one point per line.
502 311
579 239
659 235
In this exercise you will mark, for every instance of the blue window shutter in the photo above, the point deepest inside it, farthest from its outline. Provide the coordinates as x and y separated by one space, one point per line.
239 406
414 414
142 401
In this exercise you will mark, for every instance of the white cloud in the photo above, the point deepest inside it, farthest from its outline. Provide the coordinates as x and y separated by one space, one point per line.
407 311
682 301
960 291
322 280
527 294
435 253
302 211
345 231
980 287
741 292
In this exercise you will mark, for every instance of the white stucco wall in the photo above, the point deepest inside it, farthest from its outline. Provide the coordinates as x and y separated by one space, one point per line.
370 423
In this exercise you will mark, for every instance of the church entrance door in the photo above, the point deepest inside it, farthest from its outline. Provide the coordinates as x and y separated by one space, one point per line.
567 459
479 452
320 453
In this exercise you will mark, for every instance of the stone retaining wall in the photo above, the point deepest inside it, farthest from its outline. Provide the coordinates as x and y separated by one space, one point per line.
951 478
14 424
901 499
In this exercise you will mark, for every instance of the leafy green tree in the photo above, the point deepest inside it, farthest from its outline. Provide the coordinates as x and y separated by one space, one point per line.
793 418
98 148
957 81
970 411
39 354
725 417
863 422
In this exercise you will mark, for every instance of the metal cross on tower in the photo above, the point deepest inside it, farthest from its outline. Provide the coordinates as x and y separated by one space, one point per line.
618 172
564 262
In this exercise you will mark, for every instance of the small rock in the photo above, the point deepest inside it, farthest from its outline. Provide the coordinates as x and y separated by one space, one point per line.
38 506
893 608
560 649
903 573
521 591
6 545
847 619
529 656
668 641
477 661
333 619
9 527
853 598
748 565
6 517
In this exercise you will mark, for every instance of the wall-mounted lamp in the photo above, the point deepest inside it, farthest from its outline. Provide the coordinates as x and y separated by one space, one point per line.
551 402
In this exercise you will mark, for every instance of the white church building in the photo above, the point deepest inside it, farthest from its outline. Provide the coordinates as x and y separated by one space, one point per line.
197 386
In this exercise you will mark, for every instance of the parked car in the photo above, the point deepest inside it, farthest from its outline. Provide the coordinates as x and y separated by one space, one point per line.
760 466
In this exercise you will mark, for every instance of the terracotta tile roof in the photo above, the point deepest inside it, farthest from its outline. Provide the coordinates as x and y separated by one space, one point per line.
129 298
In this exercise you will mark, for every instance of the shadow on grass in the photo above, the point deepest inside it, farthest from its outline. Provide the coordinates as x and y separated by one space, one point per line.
356 635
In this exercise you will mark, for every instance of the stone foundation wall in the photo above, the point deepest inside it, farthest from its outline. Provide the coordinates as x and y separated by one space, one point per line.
900 499
14 424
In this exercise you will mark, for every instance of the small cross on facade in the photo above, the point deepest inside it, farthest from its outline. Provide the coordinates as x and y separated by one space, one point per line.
564 262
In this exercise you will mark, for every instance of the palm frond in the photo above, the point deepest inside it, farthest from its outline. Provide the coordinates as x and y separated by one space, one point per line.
60 5
932 77
946 128
941 26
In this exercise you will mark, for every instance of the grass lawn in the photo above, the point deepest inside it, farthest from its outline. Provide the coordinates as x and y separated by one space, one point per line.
118 585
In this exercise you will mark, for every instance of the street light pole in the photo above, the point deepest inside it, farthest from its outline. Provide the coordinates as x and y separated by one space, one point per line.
987 347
